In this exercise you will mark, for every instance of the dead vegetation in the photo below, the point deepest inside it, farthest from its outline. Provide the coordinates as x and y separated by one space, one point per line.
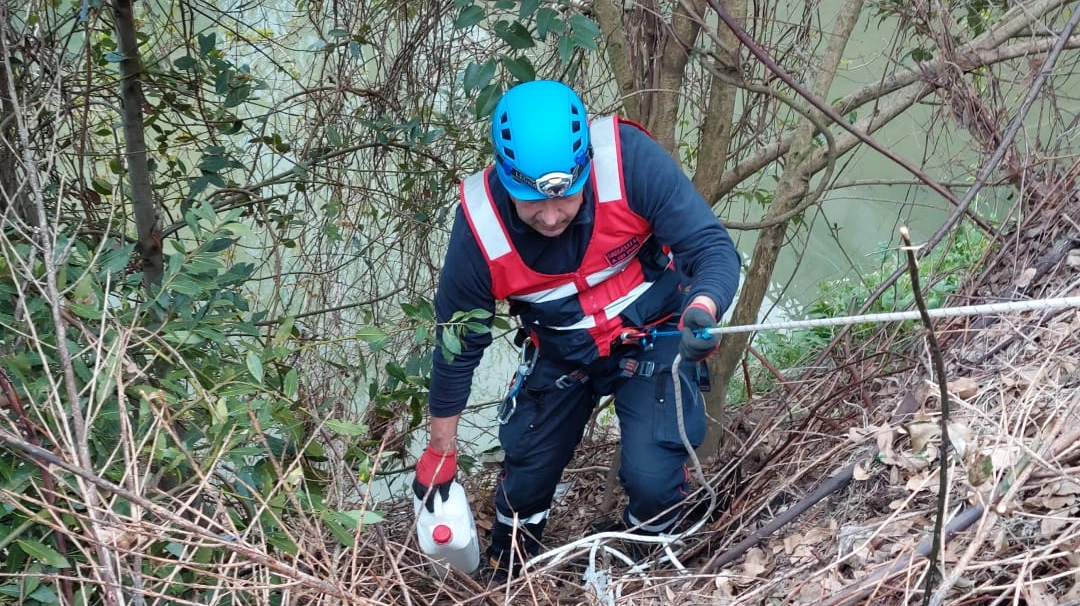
830 484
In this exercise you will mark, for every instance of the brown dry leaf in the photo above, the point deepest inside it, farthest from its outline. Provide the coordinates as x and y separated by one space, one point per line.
1025 277
884 438
1066 487
724 592
990 459
811 593
921 433
818 535
1037 595
859 474
924 391
858 434
1051 526
855 540
980 469
791 542
1000 540
1051 502
923 481
1030 376
753 564
964 387
959 437
1074 592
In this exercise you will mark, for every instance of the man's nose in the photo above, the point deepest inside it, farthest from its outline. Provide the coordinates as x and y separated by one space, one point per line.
549 214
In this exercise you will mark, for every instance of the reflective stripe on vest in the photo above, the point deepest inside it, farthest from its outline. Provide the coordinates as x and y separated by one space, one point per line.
610 277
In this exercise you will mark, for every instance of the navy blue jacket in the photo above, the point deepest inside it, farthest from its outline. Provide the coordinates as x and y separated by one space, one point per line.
658 191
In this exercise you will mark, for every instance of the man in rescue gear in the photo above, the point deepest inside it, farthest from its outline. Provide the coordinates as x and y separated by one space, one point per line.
589 230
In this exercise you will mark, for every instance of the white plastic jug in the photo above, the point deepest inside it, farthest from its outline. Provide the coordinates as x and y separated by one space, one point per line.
448 534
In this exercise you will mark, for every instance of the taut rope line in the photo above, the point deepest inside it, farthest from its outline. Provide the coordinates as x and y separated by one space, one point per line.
898 316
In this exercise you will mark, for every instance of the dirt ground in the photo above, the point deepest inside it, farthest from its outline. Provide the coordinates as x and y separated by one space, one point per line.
829 487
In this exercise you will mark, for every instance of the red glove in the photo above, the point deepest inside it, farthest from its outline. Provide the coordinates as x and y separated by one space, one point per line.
434 470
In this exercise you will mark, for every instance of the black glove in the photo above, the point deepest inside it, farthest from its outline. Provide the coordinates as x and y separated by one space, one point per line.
697 343
422 493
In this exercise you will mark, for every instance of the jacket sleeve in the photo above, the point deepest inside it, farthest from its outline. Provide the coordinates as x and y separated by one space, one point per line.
464 285
659 191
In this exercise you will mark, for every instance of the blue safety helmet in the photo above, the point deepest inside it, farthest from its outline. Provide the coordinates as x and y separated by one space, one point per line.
541 137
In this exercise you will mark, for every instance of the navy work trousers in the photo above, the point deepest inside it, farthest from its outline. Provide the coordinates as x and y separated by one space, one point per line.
548 422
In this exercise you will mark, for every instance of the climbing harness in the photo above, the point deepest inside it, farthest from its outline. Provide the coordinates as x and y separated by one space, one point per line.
524 369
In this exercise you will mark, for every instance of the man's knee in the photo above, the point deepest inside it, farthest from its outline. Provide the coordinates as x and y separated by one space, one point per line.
655 495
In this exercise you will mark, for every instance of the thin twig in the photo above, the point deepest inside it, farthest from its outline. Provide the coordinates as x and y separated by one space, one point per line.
943 387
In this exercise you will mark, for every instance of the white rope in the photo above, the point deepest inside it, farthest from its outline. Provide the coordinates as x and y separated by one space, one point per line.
899 316
600 583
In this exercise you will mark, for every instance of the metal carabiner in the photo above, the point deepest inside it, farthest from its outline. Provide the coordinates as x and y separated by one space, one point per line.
524 369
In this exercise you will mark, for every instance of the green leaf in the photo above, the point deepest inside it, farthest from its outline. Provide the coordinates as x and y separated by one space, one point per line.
284 330
292 384
527 8
514 34
585 31
333 136
486 100
451 343
186 62
346 428
370 334
355 519
469 16
44 595
101 186
84 311
397 372
44 553
237 95
340 532
213 163
254 366
520 68
207 42
566 49
548 22
477 75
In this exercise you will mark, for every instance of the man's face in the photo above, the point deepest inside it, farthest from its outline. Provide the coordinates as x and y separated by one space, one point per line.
549 217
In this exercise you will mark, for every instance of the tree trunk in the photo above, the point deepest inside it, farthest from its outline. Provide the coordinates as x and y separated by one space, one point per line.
147 218
790 192
12 193
717 126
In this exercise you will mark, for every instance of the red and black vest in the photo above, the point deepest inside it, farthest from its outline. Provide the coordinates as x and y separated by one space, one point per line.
581 310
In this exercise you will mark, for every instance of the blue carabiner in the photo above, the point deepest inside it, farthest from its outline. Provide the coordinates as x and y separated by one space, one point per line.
524 369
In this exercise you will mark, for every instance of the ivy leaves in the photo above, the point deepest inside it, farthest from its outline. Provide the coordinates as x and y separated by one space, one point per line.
521 26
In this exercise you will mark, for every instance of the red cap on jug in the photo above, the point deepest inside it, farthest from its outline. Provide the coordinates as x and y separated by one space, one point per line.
442 534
